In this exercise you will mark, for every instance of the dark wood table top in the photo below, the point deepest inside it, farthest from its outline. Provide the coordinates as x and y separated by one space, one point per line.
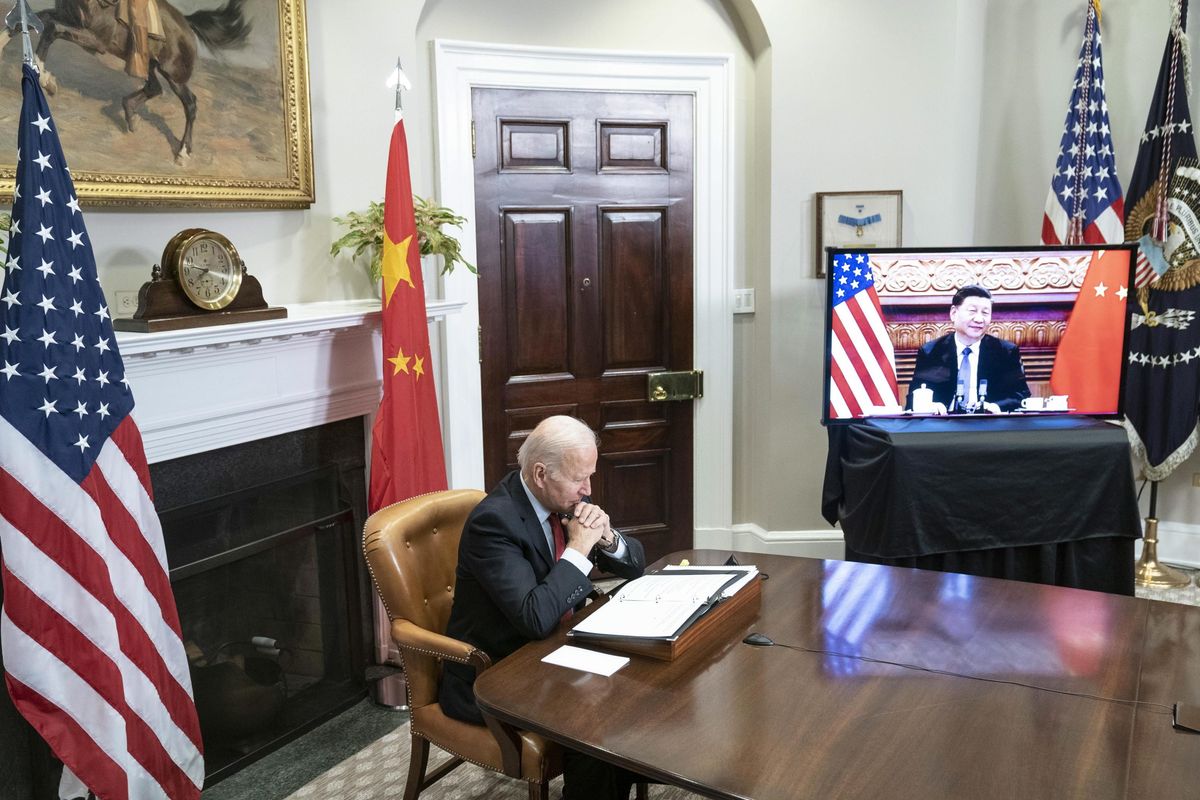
735 721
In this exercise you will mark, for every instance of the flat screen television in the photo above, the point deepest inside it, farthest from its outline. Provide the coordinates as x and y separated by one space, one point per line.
976 332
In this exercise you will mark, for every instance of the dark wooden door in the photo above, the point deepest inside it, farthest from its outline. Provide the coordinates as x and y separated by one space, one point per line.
584 219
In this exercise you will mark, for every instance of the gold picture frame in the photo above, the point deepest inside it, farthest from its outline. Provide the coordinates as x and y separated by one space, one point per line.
858 219
252 132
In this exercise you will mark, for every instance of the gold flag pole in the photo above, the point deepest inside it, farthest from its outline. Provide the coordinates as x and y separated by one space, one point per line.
1149 570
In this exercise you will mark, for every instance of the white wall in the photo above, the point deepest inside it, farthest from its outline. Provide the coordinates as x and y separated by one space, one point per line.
958 103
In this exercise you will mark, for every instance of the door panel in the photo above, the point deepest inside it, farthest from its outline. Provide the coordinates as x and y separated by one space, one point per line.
584 219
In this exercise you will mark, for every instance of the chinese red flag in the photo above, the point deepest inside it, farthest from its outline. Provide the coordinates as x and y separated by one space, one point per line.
1087 367
406 444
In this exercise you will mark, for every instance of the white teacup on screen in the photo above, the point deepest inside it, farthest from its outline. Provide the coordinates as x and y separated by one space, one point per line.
1033 403
1056 402
922 400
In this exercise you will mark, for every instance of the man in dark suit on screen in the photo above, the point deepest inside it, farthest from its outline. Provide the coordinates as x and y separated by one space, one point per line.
523 565
969 369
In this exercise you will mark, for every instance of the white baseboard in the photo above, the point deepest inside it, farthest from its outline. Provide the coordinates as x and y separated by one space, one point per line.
750 538
1178 543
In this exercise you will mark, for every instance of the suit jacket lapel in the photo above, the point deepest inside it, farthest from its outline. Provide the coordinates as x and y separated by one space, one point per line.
533 526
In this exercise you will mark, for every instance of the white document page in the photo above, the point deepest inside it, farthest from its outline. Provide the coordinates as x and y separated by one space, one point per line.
733 588
653 606
586 660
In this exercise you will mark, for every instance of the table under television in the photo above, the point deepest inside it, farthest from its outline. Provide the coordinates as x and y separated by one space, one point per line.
730 720
1048 499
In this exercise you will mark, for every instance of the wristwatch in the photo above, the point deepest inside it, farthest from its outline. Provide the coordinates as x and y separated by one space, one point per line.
614 544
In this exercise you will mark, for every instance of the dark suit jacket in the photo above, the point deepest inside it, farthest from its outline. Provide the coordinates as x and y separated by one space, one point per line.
999 365
509 590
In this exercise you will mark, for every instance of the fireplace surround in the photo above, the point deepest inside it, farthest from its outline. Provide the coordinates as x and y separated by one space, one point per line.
256 435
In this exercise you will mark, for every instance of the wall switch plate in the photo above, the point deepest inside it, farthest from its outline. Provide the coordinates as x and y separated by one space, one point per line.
126 304
743 301
1196 479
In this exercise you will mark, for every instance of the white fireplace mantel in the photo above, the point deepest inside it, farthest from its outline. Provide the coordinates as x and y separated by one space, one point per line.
207 388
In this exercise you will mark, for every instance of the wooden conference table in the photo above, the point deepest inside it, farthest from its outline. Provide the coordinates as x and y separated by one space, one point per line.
730 720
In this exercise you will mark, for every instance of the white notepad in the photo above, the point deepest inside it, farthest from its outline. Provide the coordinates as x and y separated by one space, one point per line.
586 660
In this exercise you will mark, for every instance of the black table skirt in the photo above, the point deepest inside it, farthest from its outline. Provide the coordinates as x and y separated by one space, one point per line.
1049 500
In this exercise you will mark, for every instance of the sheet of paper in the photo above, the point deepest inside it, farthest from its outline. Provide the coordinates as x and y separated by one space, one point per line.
586 660
637 618
675 588
749 569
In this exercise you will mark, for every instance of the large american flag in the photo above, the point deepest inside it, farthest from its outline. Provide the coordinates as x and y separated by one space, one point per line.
862 363
1084 204
92 651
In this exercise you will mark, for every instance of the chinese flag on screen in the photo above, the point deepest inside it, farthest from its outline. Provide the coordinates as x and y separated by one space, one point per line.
1087 367
406 444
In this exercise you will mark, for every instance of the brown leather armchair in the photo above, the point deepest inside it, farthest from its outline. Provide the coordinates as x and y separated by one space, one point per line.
412 550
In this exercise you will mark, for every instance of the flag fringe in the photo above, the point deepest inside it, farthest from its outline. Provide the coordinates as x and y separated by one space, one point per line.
1171 463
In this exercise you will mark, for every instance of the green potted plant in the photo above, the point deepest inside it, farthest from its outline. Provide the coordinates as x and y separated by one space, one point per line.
364 235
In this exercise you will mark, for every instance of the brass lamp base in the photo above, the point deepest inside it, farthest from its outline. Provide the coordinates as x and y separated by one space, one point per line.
1149 570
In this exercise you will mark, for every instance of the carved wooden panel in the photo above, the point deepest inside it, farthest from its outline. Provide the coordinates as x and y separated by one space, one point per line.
632 147
535 146
931 275
1023 333
537 273
632 275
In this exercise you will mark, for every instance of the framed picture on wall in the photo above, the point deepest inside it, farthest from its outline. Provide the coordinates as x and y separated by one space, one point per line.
858 219
223 125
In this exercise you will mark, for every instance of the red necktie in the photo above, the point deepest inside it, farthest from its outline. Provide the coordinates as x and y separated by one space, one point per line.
560 544
560 536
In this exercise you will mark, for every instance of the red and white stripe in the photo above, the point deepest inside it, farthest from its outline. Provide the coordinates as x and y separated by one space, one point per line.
863 362
1108 228
91 641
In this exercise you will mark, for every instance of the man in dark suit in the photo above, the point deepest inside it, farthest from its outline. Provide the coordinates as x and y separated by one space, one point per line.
969 369
522 567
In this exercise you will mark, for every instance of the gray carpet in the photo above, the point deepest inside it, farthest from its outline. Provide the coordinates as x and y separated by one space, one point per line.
379 772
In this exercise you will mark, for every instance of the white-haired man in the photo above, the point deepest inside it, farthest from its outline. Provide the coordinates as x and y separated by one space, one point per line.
523 563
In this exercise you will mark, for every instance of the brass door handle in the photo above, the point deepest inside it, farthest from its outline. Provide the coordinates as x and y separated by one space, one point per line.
665 386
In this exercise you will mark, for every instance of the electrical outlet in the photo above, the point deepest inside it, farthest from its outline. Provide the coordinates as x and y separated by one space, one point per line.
126 304
743 301
1196 479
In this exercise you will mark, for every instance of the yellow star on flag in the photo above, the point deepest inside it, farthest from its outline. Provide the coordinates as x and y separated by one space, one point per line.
418 366
400 361
395 265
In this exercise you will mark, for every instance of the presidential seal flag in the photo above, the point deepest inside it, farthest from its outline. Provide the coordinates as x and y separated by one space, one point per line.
93 657
1162 397
1168 136
1084 203
1163 374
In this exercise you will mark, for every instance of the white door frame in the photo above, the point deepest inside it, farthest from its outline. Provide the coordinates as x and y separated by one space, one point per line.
461 66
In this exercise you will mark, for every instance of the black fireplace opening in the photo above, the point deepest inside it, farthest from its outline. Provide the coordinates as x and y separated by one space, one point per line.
262 542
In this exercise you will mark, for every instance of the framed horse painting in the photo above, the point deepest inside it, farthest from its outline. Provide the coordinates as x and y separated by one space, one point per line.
171 102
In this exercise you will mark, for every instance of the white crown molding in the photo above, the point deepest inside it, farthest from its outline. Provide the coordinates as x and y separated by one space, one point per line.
207 388
461 66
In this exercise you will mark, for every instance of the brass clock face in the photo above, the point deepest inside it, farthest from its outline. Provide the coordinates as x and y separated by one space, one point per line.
208 269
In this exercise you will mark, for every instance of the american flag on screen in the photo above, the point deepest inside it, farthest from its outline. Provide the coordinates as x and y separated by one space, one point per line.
1084 204
93 656
862 371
